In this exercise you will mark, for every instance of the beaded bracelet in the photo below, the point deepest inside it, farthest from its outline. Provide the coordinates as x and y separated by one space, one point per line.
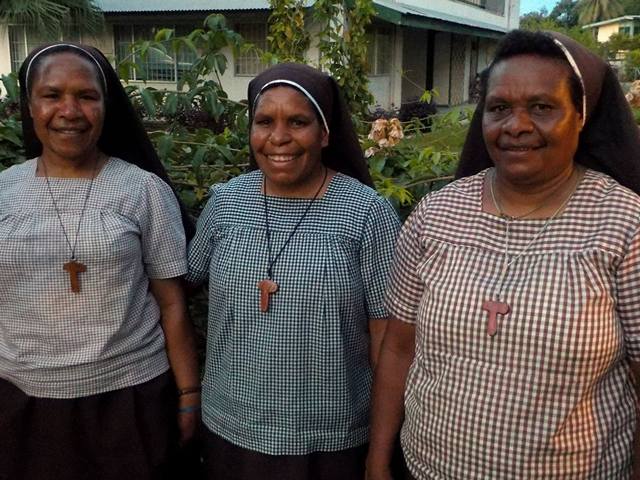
188 390
189 409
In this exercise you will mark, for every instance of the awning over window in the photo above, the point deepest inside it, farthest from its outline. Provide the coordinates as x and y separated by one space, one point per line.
416 17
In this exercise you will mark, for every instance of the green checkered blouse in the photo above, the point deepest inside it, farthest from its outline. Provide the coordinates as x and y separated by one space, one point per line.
295 379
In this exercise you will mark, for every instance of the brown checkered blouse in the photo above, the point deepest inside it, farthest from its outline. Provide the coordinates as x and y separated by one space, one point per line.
549 396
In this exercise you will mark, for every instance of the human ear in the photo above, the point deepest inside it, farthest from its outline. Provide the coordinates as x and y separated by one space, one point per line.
325 139
580 122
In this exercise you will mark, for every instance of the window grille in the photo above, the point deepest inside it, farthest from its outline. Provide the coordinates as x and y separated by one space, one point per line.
625 30
21 41
457 69
184 57
157 66
249 63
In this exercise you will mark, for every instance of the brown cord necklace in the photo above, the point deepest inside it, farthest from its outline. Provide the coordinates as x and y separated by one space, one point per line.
268 286
72 267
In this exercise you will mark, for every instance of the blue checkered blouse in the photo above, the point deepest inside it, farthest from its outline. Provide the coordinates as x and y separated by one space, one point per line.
297 378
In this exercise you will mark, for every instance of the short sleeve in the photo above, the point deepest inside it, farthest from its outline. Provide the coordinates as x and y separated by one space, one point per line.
405 288
376 254
164 251
200 246
628 301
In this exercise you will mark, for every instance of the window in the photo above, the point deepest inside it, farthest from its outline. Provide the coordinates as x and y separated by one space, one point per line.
23 39
625 30
158 66
379 51
249 63
477 3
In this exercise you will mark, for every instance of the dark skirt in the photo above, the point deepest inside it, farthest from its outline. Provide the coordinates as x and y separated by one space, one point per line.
226 461
124 434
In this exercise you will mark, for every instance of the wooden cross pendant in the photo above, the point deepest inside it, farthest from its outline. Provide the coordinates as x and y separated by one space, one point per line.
73 268
494 308
267 287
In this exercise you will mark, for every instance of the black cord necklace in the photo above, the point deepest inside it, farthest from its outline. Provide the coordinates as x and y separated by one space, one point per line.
268 285
72 267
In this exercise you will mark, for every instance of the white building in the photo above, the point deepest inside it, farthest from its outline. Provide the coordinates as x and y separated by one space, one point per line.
414 44
628 24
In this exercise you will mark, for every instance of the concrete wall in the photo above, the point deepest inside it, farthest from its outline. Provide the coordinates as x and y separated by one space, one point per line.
512 14
5 58
605 31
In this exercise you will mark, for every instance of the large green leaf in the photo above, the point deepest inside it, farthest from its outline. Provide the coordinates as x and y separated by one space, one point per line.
146 94
165 145
10 84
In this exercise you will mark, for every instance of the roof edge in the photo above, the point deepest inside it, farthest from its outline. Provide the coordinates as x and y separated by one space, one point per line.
611 20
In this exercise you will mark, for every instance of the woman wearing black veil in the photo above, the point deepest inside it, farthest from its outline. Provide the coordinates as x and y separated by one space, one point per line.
296 255
98 373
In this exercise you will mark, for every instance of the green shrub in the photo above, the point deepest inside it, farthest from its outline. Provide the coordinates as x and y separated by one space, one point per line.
421 162
632 65
11 145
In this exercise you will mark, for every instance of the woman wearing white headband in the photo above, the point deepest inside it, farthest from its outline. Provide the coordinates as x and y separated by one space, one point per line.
94 338
514 351
296 254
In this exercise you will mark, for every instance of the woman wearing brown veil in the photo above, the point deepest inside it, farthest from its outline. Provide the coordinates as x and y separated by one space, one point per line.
514 346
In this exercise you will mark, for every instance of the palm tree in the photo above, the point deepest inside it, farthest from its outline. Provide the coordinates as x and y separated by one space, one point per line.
52 17
598 10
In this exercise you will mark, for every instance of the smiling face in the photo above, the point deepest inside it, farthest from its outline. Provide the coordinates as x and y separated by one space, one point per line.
287 141
530 124
67 106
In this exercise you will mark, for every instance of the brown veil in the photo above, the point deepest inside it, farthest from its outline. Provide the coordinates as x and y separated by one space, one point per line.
610 139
